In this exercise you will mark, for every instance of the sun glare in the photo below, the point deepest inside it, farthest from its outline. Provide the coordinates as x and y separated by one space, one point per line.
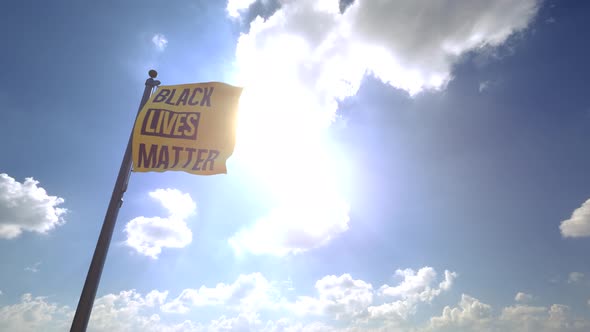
282 142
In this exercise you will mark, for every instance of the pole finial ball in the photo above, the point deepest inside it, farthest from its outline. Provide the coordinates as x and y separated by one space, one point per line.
153 73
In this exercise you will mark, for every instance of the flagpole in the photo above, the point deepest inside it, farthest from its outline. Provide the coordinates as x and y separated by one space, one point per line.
80 322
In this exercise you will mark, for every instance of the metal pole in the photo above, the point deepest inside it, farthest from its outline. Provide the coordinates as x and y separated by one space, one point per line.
86 302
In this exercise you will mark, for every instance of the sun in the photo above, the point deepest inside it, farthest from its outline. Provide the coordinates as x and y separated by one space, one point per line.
283 144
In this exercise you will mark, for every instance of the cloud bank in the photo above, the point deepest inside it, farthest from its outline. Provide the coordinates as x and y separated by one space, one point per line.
341 304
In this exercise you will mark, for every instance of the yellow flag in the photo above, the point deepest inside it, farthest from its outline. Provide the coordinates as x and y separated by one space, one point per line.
188 127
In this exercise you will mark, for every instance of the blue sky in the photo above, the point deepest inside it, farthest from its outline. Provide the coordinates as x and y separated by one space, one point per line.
399 166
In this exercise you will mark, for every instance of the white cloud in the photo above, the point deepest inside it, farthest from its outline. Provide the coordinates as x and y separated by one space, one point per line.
342 297
251 303
294 228
155 297
235 7
555 318
574 277
338 297
412 283
484 85
288 325
524 314
418 284
471 315
33 268
523 297
415 288
242 322
409 44
249 292
128 311
295 67
160 41
33 314
148 235
578 224
27 207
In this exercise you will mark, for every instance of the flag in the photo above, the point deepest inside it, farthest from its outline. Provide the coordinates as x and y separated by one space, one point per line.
187 127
